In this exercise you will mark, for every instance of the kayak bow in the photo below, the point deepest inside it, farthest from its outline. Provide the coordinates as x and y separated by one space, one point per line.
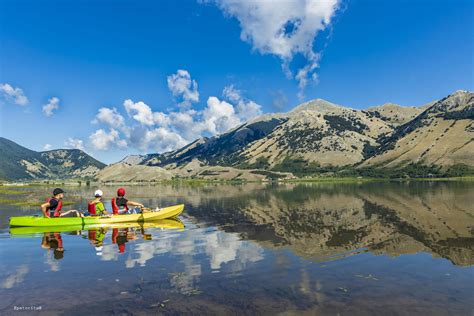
37 221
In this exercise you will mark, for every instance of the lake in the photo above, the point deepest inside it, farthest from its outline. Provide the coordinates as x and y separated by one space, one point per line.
308 248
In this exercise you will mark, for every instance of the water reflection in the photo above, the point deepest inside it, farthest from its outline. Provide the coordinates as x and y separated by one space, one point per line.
324 222
320 222
54 242
17 276
256 248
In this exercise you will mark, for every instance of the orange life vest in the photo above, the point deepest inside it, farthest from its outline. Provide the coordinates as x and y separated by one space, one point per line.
56 210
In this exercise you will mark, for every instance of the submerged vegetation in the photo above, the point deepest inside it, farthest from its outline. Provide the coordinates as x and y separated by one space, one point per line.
35 203
5 191
9 193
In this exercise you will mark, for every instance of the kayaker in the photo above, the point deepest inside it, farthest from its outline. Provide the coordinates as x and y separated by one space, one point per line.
54 204
96 206
120 205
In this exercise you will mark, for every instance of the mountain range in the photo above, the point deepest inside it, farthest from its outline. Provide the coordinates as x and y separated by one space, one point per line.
315 137
18 163
319 136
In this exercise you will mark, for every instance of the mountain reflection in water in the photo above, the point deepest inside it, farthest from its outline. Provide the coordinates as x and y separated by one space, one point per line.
360 248
326 222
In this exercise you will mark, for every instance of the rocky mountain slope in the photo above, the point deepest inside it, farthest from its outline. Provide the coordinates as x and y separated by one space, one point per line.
122 172
315 131
143 168
441 135
17 163
320 134
395 114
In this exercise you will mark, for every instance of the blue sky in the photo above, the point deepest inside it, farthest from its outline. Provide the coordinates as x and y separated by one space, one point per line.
123 57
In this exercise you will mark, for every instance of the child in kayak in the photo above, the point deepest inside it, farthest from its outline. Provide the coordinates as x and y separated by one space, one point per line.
96 206
120 205
54 204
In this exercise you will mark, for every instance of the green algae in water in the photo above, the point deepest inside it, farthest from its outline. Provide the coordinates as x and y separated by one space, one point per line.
4 191
27 203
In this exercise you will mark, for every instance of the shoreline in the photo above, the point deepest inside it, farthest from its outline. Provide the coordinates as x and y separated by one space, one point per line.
70 182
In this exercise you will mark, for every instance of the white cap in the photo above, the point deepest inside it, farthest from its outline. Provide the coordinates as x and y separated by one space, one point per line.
98 193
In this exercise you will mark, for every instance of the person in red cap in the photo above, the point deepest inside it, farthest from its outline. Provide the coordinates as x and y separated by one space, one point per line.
120 205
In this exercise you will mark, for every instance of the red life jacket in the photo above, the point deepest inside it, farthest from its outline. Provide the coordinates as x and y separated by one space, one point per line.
115 207
57 210
91 208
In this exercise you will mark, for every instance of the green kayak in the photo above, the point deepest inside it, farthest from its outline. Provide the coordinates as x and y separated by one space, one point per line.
39 221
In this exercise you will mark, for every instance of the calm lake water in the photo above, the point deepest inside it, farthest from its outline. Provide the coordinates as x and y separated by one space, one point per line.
348 249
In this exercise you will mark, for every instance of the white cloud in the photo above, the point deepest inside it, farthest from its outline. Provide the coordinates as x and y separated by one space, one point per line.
164 132
53 104
140 112
47 147
163 139
168 131
109 116
219 116
74 143
286 28
183 87
145 129
14 95
245 109
101 140
232 94
161 118
186 123
248 110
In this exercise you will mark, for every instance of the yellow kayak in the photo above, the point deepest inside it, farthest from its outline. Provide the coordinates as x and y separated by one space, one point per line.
39 230
37 221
